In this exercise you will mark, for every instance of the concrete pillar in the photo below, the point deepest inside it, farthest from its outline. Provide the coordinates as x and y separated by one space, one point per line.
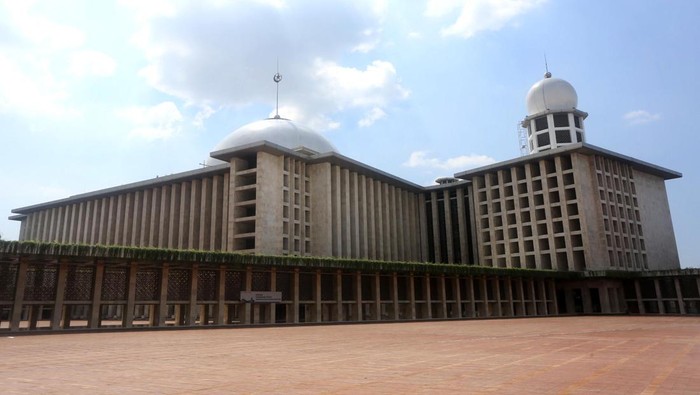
472 300
192 316
659 299
272 311
358 296
553 292
317 297
248 307
457 292
605 300
19 295
295 296
339 295
60 292
543 292
443 296
485 294
395 294
128 313
497 291
377 297
587 303
679 295
221 296
412 295
163 297
638 295
427 296
96 306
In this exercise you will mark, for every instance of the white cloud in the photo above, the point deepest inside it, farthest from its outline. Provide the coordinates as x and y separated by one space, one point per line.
478 15
462 162
89 62
153 123
202 115
219 63
639 117
371 117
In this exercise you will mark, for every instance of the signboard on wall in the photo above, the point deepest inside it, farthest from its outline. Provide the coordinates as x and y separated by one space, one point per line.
261 297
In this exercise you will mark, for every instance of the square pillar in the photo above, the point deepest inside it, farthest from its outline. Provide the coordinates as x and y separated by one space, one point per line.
395 294
377 297
96 305
443 296
457 291
295 296
163 301
272 311
470 280
679 295
638 295
426 296
317 297
497 291
128 314
221 296
412 295
193 310
19 295
358 296
659 300
58 298
339 295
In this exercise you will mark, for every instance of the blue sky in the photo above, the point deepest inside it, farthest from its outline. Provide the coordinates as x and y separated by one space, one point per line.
98 94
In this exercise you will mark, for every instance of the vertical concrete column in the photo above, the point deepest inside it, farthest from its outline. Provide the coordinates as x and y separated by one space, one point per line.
605 300
587 303
443 296
272 311
163 300
371 220
248 308
136 218
457 292
192 316
358 295
485 294
339 295
395 294
221 296
377 297
436 228
321 209
511 302
119 227
521 294
128 314
462 225
638 295
497 291
205 214
412 295
426 296
19 294
295 296
60 292
355 216
379 220
195 213
679 295
659 299
423 228
533 297
472 296
448 227
96 305
317 297
174 216
553 292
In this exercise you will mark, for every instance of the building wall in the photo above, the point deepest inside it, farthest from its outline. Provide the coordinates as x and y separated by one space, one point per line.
655 218
187 214
528 216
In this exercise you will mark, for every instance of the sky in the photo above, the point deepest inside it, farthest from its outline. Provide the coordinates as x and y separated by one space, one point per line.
95 94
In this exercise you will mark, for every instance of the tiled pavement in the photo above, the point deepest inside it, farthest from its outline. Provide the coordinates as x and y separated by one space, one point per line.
609 355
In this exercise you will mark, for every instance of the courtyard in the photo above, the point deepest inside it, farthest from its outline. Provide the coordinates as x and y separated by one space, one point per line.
587 354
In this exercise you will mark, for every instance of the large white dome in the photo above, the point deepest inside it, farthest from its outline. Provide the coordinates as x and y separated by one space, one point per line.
551 94
278 131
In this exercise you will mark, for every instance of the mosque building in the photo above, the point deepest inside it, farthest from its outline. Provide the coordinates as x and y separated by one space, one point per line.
273 187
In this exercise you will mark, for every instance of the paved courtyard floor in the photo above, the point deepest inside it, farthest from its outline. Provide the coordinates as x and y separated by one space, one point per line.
609 355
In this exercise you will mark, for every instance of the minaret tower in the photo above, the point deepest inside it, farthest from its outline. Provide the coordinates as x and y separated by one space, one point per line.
553 120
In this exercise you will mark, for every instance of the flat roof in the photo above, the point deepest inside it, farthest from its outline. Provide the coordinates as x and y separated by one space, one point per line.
584 148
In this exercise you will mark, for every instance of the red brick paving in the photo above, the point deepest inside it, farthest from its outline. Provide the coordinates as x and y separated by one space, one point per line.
609 355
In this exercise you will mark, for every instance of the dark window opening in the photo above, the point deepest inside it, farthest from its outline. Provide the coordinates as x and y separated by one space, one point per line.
541 123
563 136
543 139
561 120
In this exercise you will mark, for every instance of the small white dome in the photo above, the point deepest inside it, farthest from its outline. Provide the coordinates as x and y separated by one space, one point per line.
278 131
551 94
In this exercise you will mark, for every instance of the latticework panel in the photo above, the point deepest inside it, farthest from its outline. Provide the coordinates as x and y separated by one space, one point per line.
8 280
79 283
41 283
284 284
234 284
306 286
206 285
261 281
179 284
148 284
114 283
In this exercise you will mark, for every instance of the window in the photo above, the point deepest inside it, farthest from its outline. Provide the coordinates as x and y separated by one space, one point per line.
543 139
579 137
577 121
541 123
563 136
561 120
